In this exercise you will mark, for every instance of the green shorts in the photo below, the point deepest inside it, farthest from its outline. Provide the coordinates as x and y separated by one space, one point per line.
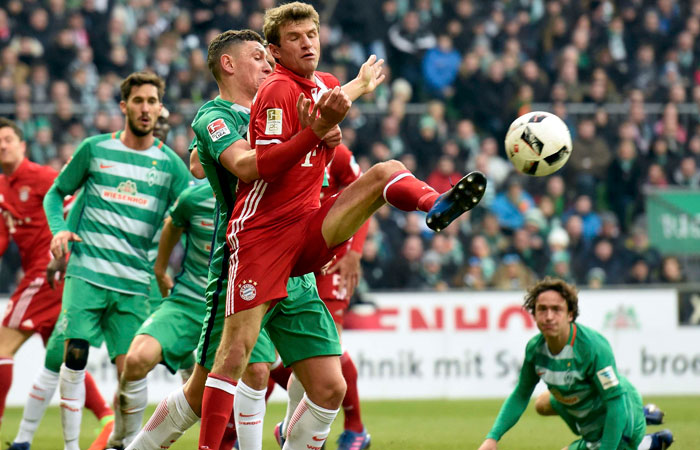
634 429
154 295
300 326
176 325
92 313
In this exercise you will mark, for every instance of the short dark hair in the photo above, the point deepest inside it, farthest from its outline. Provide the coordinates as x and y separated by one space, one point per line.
222 42
566 290
7 123
139 79
275 18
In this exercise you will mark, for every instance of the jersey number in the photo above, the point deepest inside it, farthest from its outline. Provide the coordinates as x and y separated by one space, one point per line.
307 160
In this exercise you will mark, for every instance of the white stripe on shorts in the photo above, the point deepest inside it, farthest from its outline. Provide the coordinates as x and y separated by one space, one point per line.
23 302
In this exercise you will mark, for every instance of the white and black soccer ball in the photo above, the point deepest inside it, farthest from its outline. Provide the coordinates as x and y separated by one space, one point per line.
538 143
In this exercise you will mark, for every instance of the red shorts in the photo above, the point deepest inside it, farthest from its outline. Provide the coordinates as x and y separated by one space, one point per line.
34 306
262 261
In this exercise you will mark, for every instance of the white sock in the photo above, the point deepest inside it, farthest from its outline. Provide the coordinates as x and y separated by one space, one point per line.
71 385
169 421
249 411
646 443
309 426
117 434
133 399
295 392
38 400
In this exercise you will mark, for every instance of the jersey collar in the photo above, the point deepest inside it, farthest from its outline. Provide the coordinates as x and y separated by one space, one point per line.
22 167
572 334
233 106
299 80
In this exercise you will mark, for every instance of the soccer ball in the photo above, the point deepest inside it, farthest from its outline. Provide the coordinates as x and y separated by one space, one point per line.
538 143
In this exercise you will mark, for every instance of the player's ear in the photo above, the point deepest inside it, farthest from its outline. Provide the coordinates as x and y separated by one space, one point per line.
122 107
274 51
227 65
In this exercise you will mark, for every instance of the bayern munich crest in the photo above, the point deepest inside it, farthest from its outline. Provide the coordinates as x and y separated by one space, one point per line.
247 290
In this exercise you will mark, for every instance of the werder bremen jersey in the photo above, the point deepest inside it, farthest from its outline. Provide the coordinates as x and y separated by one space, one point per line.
126 193
581 377
194 211
217 125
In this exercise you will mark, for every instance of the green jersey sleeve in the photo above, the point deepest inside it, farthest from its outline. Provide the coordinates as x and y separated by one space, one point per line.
517 401
68 181
604 370
216 131
193 145
181 211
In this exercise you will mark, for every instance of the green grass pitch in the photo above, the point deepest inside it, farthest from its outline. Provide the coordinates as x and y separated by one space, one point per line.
419 425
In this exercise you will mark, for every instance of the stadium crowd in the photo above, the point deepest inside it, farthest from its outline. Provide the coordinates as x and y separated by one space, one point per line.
473 65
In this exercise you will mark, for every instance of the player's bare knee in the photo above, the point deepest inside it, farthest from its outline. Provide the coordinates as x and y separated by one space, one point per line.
543 405
77 354
384 170
256 375
328 393
137 366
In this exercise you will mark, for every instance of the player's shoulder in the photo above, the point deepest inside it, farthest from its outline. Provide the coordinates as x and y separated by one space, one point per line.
589 339
218 114
99 138
533 344
277 85
328 79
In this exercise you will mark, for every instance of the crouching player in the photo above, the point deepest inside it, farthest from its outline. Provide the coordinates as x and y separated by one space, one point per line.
578 366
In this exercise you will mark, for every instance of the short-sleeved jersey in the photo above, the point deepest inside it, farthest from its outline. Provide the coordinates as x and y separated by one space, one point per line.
23 218
194 211
217 125
274 120
126 194
342 171
581 377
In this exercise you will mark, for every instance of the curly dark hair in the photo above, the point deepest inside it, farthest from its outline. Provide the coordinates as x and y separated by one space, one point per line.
566 290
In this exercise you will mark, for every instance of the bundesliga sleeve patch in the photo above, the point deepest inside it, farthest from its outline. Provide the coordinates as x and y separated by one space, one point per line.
273 126
607 377
217 129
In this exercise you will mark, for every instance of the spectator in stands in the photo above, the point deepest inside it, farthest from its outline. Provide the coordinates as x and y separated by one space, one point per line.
431 276
671 270
440 66
602 257
405 272
687 174
510 206
471 275
479 248
590 220
444 176
588 165
622 182
639 272
408 40
512 274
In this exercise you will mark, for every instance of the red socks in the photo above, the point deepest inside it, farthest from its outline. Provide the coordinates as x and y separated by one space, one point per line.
6 365
94 400
407 193
217 407
281 375
230 435
351 402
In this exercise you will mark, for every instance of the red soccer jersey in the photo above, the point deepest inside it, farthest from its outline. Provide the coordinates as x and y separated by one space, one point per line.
342 171
273 120
21 202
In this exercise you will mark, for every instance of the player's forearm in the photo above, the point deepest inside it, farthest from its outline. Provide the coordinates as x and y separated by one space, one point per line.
240 160
355 89
510 413
53 207
278 159
196 168
615 418
168 239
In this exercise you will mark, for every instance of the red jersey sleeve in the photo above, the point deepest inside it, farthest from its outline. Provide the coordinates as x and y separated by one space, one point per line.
47 175
4 235
275 129
344 169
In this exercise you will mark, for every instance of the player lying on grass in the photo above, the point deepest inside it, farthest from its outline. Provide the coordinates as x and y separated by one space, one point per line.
578 367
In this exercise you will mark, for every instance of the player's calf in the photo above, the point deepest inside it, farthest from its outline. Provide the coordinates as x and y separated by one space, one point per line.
543 405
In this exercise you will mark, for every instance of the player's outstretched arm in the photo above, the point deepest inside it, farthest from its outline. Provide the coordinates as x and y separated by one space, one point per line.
168 239
368 78
615 420
239 159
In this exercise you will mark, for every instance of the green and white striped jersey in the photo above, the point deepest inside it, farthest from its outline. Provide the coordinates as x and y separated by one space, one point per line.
194 211
581 377
126 194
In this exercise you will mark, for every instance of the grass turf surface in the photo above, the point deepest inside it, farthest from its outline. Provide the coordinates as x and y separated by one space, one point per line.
434 424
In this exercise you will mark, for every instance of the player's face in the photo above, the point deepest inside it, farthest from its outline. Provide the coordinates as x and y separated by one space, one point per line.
552 314
142 109
12 150
300 47
252 67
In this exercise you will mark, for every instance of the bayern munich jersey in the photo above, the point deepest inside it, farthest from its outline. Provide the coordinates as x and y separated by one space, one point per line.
23 219
126 193
274 120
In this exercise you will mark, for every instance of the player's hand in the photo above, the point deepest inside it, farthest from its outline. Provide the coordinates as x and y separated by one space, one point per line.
55 271
59 243
333 138
370 74
349 269
304 111
489 444
165 283
332 107
324 269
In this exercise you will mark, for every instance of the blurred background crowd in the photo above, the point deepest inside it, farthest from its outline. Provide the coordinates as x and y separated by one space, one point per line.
624 75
